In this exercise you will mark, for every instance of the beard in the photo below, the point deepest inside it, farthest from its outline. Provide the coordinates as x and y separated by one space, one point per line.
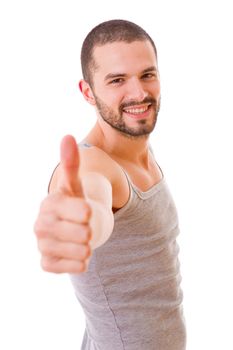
116 120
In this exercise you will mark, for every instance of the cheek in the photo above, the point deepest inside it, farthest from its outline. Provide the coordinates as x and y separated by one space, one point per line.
157 88
113 99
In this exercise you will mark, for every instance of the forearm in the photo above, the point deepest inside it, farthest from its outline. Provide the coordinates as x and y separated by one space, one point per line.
101 222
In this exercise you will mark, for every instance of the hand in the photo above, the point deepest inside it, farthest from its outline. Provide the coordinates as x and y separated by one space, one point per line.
63 225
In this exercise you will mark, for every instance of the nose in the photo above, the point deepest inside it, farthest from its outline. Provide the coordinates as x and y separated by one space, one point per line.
136 90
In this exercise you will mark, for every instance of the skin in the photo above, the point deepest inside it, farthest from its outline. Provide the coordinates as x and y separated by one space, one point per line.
89 184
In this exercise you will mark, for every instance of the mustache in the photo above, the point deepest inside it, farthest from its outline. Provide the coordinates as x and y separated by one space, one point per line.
132 103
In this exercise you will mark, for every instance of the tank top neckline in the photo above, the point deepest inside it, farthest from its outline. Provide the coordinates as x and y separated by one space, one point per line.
148 193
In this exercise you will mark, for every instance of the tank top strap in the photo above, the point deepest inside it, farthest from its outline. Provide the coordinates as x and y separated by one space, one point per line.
132 188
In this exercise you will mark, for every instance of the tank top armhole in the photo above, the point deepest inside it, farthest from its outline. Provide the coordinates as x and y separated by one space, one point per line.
130 198
84 145
152 153
51 177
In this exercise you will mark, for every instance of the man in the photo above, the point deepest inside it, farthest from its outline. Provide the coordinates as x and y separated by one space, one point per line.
109 219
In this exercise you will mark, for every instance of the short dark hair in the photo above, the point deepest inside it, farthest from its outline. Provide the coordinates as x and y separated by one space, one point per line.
109 32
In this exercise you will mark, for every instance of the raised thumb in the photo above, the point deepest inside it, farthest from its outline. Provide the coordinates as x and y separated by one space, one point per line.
70 162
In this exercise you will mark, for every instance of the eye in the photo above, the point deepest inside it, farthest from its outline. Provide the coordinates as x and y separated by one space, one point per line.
116 81
149 76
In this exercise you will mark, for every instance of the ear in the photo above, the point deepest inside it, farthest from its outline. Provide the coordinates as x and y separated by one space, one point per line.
87 92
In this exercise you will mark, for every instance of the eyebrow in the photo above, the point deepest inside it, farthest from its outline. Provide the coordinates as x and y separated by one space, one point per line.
118 75
114 75
150 69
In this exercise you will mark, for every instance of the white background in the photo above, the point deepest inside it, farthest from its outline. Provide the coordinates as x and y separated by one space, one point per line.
40 102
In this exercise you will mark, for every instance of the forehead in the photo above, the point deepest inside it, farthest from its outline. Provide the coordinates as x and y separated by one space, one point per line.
124 57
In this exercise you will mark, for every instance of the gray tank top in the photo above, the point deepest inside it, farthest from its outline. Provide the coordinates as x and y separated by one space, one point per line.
131 294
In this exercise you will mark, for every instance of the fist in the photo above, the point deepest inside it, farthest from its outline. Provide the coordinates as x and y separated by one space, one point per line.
62 227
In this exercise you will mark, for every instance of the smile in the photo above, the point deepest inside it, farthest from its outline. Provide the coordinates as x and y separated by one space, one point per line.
137 113
136 110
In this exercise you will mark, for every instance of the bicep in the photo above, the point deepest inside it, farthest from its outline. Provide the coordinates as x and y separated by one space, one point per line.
98 192
98 188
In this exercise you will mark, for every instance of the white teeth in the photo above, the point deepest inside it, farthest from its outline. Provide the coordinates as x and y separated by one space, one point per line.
136 110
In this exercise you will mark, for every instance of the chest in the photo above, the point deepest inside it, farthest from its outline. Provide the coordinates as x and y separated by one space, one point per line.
144 179
141 178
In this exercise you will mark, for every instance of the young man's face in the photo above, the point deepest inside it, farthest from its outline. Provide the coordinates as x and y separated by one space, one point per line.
126 86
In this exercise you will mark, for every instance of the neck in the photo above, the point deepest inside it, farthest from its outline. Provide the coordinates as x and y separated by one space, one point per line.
117 145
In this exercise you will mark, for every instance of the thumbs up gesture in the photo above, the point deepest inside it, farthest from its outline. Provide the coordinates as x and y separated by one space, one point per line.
70 183
63 227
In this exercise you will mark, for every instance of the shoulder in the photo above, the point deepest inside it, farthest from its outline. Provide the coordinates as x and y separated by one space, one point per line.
93 163
94 159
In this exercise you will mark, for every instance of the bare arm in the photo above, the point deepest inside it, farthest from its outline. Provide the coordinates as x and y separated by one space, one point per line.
98 193
75 217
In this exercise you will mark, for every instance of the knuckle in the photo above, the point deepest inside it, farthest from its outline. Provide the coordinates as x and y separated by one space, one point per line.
46 264
45 247
81 267
56 266
44 204
48 250
49 264
81 252
87 232
87 210
45 225
88 250
39 229
85 265
49 202
77 267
